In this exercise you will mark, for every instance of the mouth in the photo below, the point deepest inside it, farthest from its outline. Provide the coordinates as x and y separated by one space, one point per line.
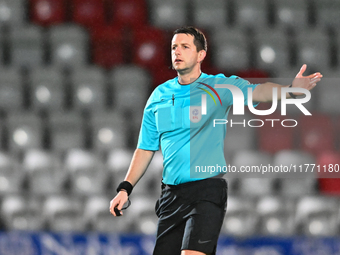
178 61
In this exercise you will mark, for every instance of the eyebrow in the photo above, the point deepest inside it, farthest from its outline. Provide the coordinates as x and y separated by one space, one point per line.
175 44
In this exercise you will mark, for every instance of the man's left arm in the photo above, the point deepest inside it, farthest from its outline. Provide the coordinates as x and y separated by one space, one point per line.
264 91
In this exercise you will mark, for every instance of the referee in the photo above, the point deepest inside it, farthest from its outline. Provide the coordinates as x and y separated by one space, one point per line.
192 205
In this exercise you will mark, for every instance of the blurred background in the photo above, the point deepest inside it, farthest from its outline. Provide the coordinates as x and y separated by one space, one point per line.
74 78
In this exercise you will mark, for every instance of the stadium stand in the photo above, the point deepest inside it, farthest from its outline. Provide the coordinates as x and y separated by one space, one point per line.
47 12
74 79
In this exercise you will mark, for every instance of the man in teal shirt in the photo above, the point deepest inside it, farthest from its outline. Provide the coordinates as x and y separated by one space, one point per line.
178 118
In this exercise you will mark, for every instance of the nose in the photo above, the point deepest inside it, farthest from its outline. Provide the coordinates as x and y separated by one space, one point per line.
177 51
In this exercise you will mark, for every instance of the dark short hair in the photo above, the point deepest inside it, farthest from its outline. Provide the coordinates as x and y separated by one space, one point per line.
199 39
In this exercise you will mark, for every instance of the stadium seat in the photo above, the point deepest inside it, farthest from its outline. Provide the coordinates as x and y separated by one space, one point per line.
277 216
251 14
168 14
87 174
101 220
69 46
47 91
316 133
207 15
108 131
90 14
272 50
130 83
329 177
241 218
45 173
149 48
89 88
327 13
25 130
66 130
64 213
13 12
273 137
327 95
292 14
118 160
142 211
26 46
129 13
11 90
21 213
256 187
300 179
108 46
251 158
239 135
11 175
318 215
231 50
47 12
313 48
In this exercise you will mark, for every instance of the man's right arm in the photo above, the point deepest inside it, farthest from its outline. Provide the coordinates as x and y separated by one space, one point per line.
139 163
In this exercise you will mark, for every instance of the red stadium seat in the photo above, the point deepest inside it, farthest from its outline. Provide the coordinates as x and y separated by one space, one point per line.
48 12
149 48
329 182
163 74
316 133
108 46
129 13
89 13
276 138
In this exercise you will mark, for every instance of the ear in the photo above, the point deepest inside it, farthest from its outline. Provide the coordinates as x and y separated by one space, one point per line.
201 55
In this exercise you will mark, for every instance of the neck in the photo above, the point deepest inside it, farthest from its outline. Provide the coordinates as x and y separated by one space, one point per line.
187 78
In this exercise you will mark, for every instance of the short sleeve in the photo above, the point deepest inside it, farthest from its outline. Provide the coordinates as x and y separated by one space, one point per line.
244 85
148 134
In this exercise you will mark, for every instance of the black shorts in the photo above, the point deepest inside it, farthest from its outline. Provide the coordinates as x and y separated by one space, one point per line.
190 216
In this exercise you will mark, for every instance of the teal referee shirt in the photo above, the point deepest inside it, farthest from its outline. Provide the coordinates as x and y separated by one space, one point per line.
173 121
